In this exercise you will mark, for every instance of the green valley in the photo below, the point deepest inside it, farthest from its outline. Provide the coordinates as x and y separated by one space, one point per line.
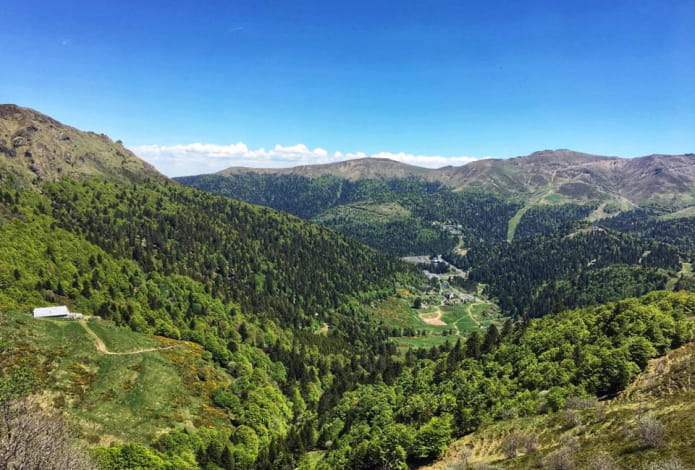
399 324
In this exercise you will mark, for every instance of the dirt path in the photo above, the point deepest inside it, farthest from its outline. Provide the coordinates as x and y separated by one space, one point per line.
470 315
435 320
101 347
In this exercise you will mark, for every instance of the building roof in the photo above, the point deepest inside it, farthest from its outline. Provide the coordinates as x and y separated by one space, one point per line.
55 311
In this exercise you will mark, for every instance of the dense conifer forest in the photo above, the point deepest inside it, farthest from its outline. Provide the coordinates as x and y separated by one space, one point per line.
415 227
569 267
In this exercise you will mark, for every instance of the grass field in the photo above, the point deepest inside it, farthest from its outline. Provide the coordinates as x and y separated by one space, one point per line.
460 320
119 339
114 397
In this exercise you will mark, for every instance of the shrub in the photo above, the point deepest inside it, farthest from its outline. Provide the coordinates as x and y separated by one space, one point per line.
672 464
602 461
571 419
561 459
650 432
580 403
517 442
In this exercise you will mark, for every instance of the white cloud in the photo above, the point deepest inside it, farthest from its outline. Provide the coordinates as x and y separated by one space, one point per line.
429 161
197 158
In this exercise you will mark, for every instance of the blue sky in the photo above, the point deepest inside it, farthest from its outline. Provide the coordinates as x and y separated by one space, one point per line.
198 86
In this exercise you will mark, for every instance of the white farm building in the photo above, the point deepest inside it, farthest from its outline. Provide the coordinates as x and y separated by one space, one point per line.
60 311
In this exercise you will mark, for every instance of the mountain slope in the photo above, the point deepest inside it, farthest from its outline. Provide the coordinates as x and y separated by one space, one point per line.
542 191
116 397
567 268
361 168
616 432
525 370
35 148
667 179
399 216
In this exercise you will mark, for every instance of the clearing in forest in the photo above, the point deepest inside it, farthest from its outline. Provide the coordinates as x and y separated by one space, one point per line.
433 318
433 325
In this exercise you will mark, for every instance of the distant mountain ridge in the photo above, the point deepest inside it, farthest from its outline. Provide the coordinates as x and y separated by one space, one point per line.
35 148
572 175
360 168
581 176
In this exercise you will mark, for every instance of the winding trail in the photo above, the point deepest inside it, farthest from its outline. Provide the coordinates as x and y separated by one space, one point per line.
470 315
101 347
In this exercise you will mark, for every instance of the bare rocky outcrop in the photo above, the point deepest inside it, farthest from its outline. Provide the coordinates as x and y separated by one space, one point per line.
52 150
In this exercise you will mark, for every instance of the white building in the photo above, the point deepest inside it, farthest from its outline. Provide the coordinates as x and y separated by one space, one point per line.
59 311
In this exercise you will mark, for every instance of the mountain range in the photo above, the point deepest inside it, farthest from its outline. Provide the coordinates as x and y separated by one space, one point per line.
223 335
668 179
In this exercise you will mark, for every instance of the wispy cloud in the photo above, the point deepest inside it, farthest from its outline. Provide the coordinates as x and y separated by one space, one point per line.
197 158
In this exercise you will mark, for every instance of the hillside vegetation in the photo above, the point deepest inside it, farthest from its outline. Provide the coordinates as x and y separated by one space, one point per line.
398 216
554 261
283 371
252 286
523 371
116 398
646 426
574 266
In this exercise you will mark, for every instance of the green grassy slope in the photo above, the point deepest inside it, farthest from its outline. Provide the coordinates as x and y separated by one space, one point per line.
115 398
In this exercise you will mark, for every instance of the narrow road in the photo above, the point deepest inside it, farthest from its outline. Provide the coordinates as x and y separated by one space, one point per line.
101 347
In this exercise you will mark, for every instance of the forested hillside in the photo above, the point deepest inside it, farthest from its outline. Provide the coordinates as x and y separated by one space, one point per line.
274 301
272 353
531 368
533 257
398 216
269 263
569 267
646 426
657 225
